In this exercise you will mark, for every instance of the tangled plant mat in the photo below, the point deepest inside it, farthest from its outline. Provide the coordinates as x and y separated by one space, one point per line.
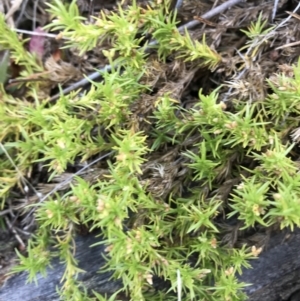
171 127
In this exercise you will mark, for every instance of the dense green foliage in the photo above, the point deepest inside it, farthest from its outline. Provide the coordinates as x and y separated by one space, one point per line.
164 229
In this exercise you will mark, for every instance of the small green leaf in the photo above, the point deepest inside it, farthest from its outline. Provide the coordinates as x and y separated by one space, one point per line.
4 63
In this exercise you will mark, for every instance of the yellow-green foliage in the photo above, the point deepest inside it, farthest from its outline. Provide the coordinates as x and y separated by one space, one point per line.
163 230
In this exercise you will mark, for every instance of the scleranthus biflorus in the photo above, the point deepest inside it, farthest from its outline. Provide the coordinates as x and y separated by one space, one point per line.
187 138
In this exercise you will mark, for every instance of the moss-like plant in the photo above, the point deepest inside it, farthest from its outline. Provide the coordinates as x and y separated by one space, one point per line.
166 164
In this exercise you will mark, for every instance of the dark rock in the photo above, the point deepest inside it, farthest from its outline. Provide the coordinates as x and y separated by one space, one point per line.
274 275
90 259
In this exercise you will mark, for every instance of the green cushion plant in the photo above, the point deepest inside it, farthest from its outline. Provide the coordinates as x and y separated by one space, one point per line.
165 164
